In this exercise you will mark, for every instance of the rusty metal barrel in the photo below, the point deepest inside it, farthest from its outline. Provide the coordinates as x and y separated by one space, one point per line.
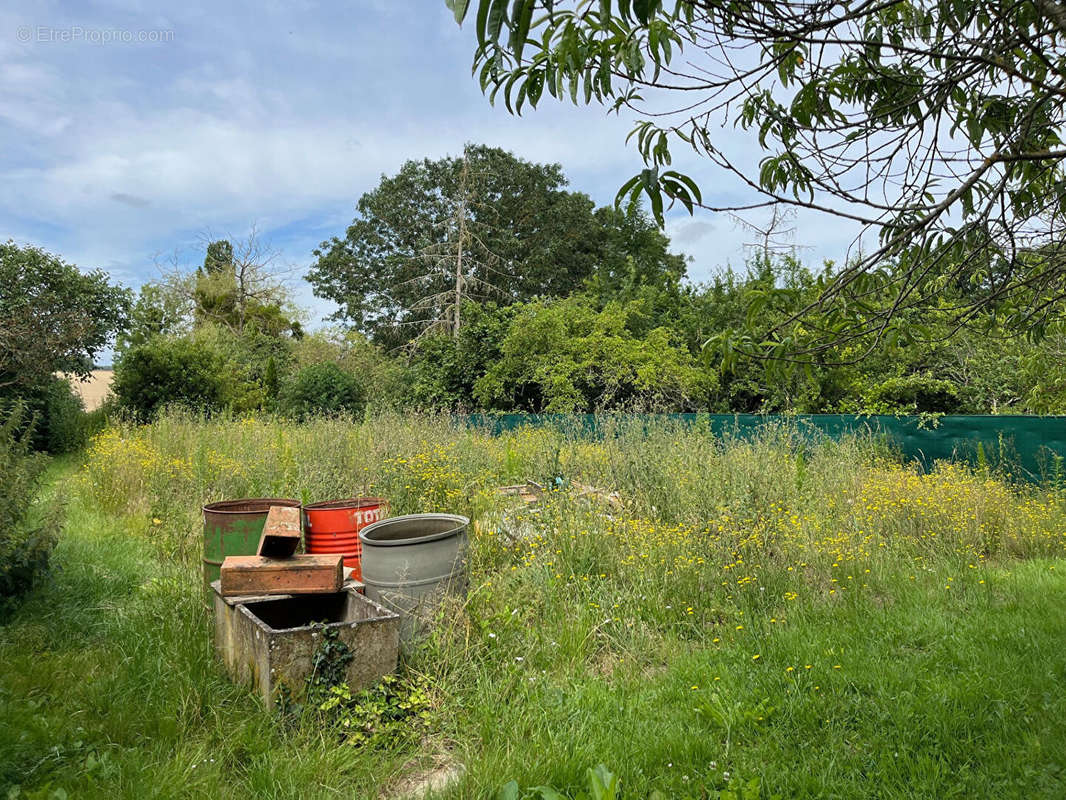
333 527
233 528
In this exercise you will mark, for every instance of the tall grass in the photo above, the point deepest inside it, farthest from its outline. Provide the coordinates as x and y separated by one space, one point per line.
775 496
811 614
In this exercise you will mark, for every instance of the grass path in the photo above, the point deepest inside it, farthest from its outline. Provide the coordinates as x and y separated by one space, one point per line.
108 688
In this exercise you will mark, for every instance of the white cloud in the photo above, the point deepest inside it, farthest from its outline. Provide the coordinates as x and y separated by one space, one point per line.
279 114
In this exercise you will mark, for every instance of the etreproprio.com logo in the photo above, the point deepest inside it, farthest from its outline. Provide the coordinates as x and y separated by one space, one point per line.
81 34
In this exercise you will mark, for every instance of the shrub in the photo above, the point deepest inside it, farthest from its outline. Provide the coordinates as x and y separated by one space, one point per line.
911 394
322 389
25 540
566 357
350 350
63 427
56 413
166 371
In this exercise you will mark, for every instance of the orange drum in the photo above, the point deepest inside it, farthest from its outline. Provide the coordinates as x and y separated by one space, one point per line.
333 527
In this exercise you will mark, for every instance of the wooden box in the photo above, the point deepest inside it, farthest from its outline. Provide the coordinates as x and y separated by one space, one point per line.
281 532
301 574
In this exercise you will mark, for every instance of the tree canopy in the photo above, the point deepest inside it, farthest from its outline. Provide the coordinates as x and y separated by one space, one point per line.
238 286
937 125
566 357
482 227
53 317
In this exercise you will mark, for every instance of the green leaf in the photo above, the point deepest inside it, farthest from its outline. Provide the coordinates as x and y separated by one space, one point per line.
644 9
482 20
524 15
548 793
534 87
650 178
497 14
603 784
509 791
458 8
628 189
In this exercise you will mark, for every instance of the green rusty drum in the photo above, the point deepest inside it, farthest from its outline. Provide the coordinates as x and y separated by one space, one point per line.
233 528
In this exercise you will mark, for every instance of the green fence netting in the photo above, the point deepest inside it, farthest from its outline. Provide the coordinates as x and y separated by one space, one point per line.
1029 447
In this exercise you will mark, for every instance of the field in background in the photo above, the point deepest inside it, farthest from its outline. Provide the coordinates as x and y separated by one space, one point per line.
805 619
94 391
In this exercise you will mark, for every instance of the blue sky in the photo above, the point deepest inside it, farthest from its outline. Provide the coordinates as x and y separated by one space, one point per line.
118 153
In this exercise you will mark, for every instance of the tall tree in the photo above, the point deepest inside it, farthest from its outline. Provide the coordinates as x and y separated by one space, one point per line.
483 226
471 269
240 284
633 257
53 317
936 124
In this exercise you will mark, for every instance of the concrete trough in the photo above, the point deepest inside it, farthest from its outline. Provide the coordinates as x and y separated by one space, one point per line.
269 642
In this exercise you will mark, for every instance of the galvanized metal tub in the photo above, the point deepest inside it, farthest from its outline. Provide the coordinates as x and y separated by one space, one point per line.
233 528
411 563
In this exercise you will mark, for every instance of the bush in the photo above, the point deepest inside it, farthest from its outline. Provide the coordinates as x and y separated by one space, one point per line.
54 409
166 371
567 357
25 542
63 427
911 394
322 389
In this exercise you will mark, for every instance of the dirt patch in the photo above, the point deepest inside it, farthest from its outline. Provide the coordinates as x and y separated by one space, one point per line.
421 779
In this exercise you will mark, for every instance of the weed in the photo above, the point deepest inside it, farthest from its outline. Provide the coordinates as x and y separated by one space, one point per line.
776 616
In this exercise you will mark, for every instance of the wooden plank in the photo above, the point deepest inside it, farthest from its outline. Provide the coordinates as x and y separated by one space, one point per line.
301 574
281 532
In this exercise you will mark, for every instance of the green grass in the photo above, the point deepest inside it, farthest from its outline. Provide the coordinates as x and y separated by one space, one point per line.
936 673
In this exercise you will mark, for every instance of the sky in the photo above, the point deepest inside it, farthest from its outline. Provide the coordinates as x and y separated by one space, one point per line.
129 133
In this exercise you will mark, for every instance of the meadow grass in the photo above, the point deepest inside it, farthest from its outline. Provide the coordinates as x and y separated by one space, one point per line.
812 615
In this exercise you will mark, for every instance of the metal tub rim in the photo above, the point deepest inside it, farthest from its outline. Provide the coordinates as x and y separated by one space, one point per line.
461 523
249 505
341 505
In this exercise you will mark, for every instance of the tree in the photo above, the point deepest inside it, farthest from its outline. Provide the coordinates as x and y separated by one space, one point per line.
462 253
219 258
935 125
53 317
181 370
239 285
634 262
445 369
322 388
484 226
566 356
158 311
